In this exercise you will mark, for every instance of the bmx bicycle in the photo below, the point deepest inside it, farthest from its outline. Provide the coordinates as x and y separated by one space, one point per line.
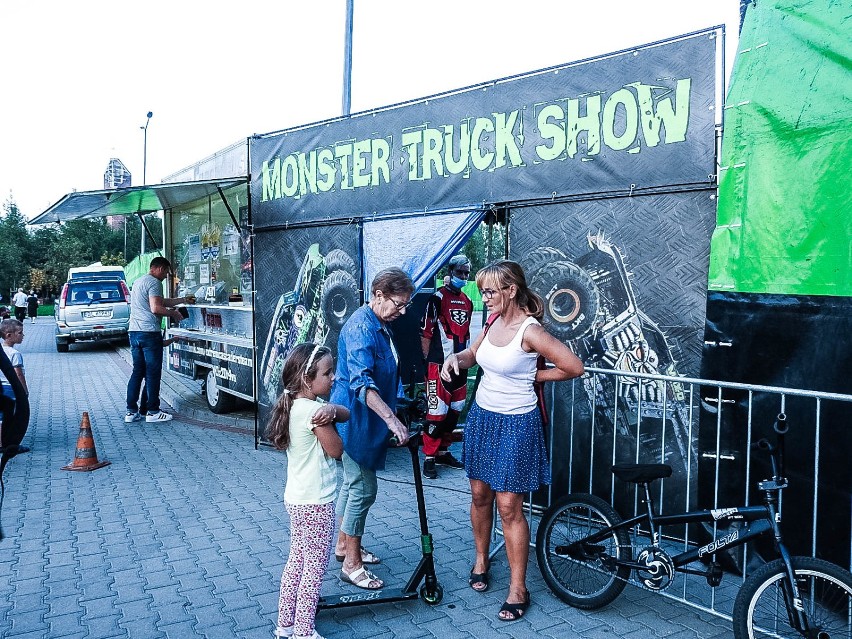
585 553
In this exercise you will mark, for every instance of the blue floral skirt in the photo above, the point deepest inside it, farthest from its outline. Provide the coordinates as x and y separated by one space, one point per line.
507 452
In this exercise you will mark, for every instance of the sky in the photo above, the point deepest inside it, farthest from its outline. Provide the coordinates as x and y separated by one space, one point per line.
78 78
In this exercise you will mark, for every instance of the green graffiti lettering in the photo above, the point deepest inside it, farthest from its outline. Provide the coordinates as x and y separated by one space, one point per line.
326 170
360 151
343 152
433 142
664 116
290 176
411 141
590 123
505 142
551 130
481 159
381 157
307 173
627 101
462 164
271 178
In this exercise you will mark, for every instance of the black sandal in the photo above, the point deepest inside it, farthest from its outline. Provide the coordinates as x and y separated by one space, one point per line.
479 578
517 610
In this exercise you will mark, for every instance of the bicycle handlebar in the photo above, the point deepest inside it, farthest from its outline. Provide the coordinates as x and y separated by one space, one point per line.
776 451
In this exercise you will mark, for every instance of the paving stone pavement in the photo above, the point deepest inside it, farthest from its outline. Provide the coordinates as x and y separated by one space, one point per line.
184 535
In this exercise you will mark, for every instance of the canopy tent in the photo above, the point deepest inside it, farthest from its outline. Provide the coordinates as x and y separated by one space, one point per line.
134 200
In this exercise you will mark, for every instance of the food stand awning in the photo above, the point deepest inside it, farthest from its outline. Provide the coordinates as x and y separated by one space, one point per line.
134 200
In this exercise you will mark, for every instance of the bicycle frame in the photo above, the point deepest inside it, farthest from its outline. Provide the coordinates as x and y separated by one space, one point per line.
760 520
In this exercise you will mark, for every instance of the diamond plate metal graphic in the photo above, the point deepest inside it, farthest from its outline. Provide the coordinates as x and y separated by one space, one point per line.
624 282
306 289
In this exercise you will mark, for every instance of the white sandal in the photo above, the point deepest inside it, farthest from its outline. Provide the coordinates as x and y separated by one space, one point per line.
362 578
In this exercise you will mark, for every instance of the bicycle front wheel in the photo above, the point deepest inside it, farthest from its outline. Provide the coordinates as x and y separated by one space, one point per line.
761 611
582 575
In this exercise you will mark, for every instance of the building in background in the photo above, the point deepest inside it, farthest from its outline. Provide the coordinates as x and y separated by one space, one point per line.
116 176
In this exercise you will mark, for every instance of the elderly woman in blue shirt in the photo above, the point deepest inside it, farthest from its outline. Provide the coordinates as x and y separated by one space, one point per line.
367 382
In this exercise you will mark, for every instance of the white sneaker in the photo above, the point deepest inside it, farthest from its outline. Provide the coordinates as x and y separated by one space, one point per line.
284 631
313 636
159 416
132 417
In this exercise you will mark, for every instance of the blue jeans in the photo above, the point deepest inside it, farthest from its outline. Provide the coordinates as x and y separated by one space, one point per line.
357 494
146 349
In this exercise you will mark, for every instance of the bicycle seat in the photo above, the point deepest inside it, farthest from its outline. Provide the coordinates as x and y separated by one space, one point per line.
641 473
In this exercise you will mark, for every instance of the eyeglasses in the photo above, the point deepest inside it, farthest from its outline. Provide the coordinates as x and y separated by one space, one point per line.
400 305
488 293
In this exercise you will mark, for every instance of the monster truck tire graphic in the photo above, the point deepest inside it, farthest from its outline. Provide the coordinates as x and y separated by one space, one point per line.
571 299
541 256
337 259
339 298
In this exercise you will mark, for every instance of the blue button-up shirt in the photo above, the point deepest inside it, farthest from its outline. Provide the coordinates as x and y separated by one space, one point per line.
365 359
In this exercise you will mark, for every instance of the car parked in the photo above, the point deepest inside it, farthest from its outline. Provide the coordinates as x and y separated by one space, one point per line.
92 309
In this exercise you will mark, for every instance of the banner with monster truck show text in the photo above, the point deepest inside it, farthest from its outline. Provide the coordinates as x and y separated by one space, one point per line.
624 281
636 119
307 287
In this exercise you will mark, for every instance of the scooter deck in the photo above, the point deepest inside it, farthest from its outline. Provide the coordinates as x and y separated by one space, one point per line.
382 595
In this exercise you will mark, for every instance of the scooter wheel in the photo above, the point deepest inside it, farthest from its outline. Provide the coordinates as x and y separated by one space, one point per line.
432 597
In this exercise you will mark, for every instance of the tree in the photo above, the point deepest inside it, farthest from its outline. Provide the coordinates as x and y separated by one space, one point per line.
14 248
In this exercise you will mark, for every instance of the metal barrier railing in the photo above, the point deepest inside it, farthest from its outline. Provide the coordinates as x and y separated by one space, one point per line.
703 429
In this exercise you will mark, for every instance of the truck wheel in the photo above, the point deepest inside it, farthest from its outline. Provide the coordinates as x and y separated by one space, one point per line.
217 400
339 299
571 299
337 259
62 347
541 256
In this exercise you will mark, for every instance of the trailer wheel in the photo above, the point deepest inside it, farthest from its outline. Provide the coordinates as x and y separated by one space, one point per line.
337 259
217 400
339 299
541 256
571 299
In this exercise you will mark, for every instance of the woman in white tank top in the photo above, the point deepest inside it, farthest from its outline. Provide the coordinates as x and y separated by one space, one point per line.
504 452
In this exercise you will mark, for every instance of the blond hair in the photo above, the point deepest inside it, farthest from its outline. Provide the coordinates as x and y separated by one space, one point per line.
504 273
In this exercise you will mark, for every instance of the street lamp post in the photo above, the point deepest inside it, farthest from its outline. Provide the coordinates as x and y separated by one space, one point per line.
144 171
347 58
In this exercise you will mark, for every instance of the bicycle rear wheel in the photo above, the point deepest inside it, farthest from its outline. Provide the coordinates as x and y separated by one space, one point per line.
582 576
760 609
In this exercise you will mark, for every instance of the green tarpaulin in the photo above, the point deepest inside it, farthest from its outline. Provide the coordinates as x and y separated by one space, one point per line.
138 266
785 202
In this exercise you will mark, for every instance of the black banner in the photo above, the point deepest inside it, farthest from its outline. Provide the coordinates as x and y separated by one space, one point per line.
791 341
637 119
306 290
624 282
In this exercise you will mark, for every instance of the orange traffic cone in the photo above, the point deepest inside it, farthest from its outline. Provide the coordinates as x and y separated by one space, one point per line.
85 457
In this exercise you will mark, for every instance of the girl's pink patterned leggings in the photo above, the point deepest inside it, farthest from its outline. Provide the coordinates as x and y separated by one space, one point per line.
311 533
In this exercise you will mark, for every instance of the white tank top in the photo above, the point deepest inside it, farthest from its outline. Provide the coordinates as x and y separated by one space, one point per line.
508 373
